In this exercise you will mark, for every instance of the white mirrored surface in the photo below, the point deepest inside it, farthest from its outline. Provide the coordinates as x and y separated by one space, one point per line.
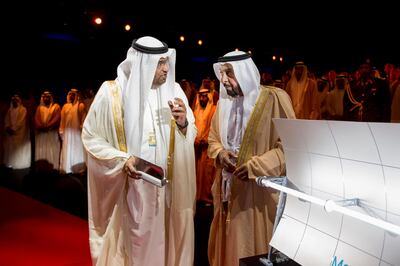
391 251
280 240
294 139
366 166
298 167
316 248
354 141
387 264
392 177
388 141
327 222
362 235
297 209
319 138
327 174
353 256
364 181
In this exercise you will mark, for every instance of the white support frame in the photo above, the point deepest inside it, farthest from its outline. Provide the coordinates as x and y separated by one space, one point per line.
329 205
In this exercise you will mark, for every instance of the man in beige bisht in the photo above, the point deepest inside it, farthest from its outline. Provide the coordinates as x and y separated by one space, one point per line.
47 141
304 93
17 142
143 113
244 144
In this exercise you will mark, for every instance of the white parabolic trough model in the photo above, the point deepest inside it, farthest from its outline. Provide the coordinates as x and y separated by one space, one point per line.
331 162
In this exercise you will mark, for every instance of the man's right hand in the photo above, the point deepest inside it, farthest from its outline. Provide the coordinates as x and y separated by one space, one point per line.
227 159
130 168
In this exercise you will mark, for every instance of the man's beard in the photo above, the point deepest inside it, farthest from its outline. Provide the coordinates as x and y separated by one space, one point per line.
159 81
203 104
232 93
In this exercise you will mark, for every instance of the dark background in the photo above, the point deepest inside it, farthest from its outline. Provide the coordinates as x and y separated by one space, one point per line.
55 44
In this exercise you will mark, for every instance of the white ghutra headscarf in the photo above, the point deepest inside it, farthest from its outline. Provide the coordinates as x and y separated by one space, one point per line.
135 77
248 77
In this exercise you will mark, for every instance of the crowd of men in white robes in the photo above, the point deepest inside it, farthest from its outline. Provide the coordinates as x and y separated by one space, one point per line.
54 144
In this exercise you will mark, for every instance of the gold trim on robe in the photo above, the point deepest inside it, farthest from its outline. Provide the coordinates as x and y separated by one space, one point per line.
247 145
118 115
170 160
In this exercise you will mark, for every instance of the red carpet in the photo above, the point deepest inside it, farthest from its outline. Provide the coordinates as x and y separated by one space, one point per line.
32 233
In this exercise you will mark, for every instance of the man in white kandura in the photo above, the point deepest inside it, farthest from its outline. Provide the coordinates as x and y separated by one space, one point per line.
47 141
72 159
143 113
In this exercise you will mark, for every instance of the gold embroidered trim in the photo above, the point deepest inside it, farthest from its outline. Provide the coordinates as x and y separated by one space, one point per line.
170 160
117 114
247 146
170 173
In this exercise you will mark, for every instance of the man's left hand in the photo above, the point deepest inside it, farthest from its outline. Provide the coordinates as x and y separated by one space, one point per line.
241 172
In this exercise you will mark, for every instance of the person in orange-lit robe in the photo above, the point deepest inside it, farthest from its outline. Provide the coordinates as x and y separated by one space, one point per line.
205 170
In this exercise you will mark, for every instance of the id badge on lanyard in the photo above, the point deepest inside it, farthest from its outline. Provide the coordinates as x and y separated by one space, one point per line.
152 139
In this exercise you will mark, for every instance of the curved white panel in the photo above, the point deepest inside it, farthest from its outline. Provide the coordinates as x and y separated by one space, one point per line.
293 140
288 245
312 244
392 176
327 222
298 167
334 160
364 236
298 209
326 174
354 141
364 181
391 252
353 256
387 138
